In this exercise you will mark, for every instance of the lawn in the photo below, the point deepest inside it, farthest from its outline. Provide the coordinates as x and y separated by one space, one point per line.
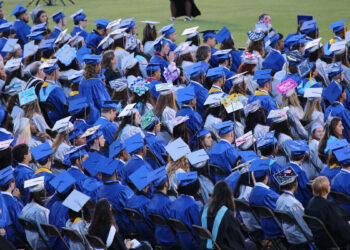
238 16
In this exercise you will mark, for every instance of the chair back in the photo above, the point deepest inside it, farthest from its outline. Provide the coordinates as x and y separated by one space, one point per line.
179 226
95 242
340 198
158 220
265 213
216 170
205 234
133 215
32 227
73 235
50 230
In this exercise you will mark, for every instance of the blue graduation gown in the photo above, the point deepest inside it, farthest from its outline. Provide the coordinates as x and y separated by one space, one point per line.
261 196
93 39
228 83
117 194
266 100
5 219
132 165
301 194
277 59
213 59
232 179
58 217
341 184
22 31
55 33
274 168
79 177
340 111
161 204
152 84
194 123
108 128
23 173
139 202
77 29
161 61
15 233
2 21
95 93
330 173
90 187
48 176
157 146
185 209
201 95
236 59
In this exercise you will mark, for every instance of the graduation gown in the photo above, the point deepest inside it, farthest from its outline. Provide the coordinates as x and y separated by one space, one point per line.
55 33
161 204
213 59
48 176
194 121
236 59
338 109
187 210
266 100
108 128
158 59
341 184
334 219
157 146
181 11
263 196
77 29
201 95
93 39
117 195
3 20
79 177
90 187
132 165
152 82
22 31
23 173
95 93
58 217
330 172
82 227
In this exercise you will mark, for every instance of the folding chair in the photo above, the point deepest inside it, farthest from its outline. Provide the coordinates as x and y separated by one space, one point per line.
205 235
74 236
95 242
316 224
160 221
180 227
340 198
52 231
215 170
32 227
129 234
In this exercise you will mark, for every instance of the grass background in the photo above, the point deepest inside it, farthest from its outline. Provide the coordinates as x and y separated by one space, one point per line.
238 16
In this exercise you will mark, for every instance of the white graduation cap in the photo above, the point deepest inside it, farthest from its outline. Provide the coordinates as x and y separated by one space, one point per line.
90 131
63 125
35 184
314 43
150 23
105 42
66 54
77 13
197 157
214 100
117 33
168 86
76 200
29 49
34 12
61 35
13 64
75 39
49 63
183 48
128 62
278 115
237 76
313 92
114 24
177 149
74 149
70 74
244 138
119 84
252 107
10 45
190 32
5 144
222 52
338 47
127 110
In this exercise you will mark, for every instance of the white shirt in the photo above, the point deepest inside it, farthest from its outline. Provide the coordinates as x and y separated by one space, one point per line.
260 184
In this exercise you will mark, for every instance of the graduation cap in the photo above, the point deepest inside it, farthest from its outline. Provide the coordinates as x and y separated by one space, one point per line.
134 143
6 137
176 121
114 24
198 156
304 68
208 33
273 61
343 156
19 9
187 178
149 120
78 16
216 73
185 94
76 200
76 105
42 152
10 45
314 44
49 66
35 184
294 57
115 148
6 27
298 147
139 86
249 58
6 176
13 64
262 76
35 12
63 37
63 182
105 42
140 178
213 100
278 115
150 23
119 84
39 27
195 69
248 156
63 125
84 50
183 48
128 62
337 26
260 167
127 23
190 32
332 92
313 93
109 167
224 127
58 16
338 47
202 133
47 45
66 54
152 67
223 35
101 23
158 176
167 30
222 54
309 26
29 49
285 176
16 86
255 35
336 145
92 163
177 149
76 152
128 110
303 18
118 33
294 39
267 140
92 59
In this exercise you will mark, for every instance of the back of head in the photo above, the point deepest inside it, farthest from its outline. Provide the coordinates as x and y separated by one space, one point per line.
222 196
320 186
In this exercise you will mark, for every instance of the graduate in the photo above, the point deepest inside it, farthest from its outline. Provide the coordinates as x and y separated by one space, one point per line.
339 30
217 76
60 19
160 57
80 23
224 60
274 59
21 26
77 155
209 38
263 78
169 34
154 77
117 151
97 35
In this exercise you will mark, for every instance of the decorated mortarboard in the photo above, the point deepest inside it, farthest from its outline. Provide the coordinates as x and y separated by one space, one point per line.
158 176
42 152
185 94
63 125
90 131
29 49
171 73
334 69
6 175
338 47
197 157
6 137
114 24
16 85
149 120
76 105
286 86
255 35
262 76
177 149
167 30
115 148
303 18
278 115
294 57
58 16
343 156
158 42
285 176
232 103
63 182
298 147
249 58
49 66
190 32
222 54
332 92
47 45
187 178
183 48
238 78
101 23
248 156
150 23
304 68
134 143
313 93
92 59
127 23
165 88
247 138
10 45
176 121
27 96
119 84
35 184
139 86
208 33
19 9
202 133
128 110
314 44
66 54
224 127
84 50
267 140
76 200
223 35
78 16
337 26
140 178
213 100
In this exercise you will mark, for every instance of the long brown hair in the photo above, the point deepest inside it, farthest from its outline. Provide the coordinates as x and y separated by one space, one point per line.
258 46
310 107
106 62
162 102
222 196
291 100
246 67
343 58
91 71
149 34
330 131
228 44
186 57
102 217
175 165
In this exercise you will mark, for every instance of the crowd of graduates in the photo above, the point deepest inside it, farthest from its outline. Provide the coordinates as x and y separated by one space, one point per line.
148 144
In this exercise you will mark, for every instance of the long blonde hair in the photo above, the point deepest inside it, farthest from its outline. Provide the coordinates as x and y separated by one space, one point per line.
310 107
25 135
291 100
162 102
175 165
61 137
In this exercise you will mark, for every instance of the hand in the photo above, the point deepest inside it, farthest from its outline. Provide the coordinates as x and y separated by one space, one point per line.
43 134
2 232
128 243
171 56
16 193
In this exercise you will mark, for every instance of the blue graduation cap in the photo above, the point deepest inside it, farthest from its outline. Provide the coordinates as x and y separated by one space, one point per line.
194 69
285 176
92 59
208 33
294 39
2 114
343 156
187 178
222 54
298 147
63 182
111 104
76 151
47 45
58 16
84 50
294 57
332 92
275 38
115 148
262 76
255 35
248 155
6 176
140 178
267 140
303 18
42 152
336 145
134 143
335 69
108 167
19 9
78 16
93 162
273 61
41 27
309 26
223 35
224 127
260 167
185 94
101 23
152 67
77 131
127 23
337 26
202 133
167 30
216 73
76 105
158 176
37 35
6 26
50 68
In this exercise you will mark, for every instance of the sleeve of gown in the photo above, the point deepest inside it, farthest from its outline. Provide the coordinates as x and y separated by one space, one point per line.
99 94
231 234
270 200
298 213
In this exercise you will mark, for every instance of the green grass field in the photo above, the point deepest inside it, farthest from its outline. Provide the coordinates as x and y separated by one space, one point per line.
238 16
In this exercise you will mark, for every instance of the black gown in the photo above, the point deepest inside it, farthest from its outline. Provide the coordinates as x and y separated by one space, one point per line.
335 220
180 8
